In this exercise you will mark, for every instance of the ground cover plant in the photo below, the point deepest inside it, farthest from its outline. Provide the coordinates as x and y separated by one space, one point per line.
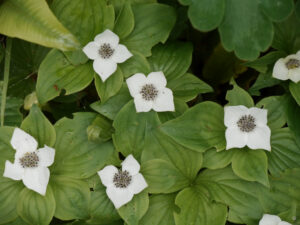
150 112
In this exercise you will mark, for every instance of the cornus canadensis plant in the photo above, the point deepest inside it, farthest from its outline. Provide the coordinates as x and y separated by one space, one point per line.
106 52
246 127
31 164
151 92
288 68
123 184
118 112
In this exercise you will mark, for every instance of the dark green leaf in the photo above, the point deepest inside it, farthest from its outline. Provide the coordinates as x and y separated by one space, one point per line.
150 29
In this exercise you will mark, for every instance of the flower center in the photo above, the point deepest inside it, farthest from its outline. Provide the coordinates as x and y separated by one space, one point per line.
29 160
106 51
293 64
246 123
149 92
122 179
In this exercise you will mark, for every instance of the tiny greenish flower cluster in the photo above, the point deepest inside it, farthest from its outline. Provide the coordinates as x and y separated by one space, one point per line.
150 112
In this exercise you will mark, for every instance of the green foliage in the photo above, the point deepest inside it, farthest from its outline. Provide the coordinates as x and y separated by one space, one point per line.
149 28
82 158
203 129
56 73
191 178
37 125
72 198
240 35
134 211
34 208
160 212
33 21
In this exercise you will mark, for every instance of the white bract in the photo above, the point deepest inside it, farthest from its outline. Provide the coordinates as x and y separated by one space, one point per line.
272 220
106 52
288 68
122 185
150 92
246 127
30 163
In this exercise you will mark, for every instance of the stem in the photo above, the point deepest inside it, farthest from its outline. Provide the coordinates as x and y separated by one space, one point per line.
6 77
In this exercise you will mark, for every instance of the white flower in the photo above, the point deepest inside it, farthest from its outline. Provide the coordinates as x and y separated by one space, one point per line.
150 92
121 185
30 163
106 52
246 127
272 220
288 68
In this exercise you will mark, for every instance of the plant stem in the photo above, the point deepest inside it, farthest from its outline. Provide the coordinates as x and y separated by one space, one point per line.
6 77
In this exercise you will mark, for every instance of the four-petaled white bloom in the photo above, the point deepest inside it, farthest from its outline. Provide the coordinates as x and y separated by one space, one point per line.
106 52
150 92
30 163
121 185
272 220
246 127
288 68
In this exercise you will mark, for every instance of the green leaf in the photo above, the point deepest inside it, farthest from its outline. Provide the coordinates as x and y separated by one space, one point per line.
285 151
110 87
17 221
124 22
160 212
276 111
6 150
12 114
295 91
101 208
159 146
261 64
100 130
22 79
135 64
36 209
72 198
188 86
292 112
221 66
180 108
264 80
251 165
37 125
84 18
163 177
297 10
238 96
173 59
57 73
241 196
287 35
150 29
131 128
112 106
203 125
277 10
213 159
133 211
196 208
33 21
81 158
283 194
9 190
205 15
243 35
